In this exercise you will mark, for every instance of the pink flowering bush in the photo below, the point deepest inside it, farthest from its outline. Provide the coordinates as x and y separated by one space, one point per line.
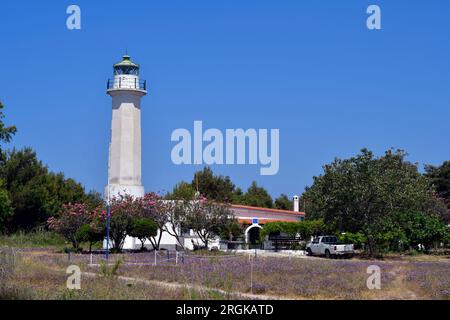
71 218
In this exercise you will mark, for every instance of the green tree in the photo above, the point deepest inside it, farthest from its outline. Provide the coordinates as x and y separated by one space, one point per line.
231 230
143 229
153 208
237 196
93 199
217 188
207 218
364 194
421 229
440 180
124 209
181 191
302 229
36 194
90 233
283 203
6 132
6 211
257 197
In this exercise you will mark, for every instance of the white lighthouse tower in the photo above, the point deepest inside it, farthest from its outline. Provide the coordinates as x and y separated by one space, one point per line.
126 90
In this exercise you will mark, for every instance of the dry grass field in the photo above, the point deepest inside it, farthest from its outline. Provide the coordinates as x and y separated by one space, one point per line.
41 274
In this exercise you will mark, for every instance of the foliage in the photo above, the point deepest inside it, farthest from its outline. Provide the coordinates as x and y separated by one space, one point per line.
206 218
358 239
257 197
124 209
71 218
6 133
421 229
6 210
110 271
93 200
231 230
218 188
222 189
303 229
38 239
154 208
439 178
283 203
143 229
91 233
183 191
365 194
36 194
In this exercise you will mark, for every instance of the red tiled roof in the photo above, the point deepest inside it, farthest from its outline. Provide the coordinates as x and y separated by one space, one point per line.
267 209
263 221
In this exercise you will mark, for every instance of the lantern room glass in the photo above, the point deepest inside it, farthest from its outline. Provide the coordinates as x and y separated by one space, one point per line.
127 70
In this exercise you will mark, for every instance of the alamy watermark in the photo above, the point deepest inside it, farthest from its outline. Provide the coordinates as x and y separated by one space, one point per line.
74 278
73 22
236 146
374 280
374 20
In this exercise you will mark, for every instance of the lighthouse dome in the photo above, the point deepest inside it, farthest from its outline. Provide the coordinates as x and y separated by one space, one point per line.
126 66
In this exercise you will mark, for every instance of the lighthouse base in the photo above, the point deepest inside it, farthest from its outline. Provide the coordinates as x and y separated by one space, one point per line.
116 190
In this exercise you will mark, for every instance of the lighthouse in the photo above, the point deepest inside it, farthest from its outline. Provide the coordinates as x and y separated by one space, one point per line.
124 170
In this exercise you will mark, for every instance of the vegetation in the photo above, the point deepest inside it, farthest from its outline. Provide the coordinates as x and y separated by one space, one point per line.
90 233
143 229
207 218
302 229
35 239
386 199
34 276
29 192
221 189
439 178
71 219
381 203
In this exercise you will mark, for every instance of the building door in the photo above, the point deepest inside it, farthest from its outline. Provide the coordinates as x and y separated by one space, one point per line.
253 235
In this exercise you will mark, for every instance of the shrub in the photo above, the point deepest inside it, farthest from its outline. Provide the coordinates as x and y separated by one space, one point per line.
358 239
90 233
143 229
71 218
124 209
107 271
304 229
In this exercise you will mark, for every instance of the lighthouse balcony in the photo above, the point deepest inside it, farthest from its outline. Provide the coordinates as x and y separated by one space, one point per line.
130 84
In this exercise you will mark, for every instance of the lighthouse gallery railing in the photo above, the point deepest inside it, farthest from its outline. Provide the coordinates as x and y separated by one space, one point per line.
126 84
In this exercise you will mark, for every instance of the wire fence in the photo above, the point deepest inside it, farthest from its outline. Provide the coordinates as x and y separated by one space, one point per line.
171 258
151 258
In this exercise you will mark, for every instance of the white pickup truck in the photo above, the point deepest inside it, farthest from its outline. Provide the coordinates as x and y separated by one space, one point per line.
329 246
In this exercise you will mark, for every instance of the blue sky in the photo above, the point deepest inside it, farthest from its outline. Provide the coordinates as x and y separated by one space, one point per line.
310 68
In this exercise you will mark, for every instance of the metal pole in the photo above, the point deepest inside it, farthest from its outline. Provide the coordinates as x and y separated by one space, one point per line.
107 230
251 275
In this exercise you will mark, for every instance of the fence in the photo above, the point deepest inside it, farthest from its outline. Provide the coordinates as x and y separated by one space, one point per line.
151 258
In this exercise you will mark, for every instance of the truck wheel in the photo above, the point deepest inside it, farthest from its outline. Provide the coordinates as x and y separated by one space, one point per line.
309 252
327 254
